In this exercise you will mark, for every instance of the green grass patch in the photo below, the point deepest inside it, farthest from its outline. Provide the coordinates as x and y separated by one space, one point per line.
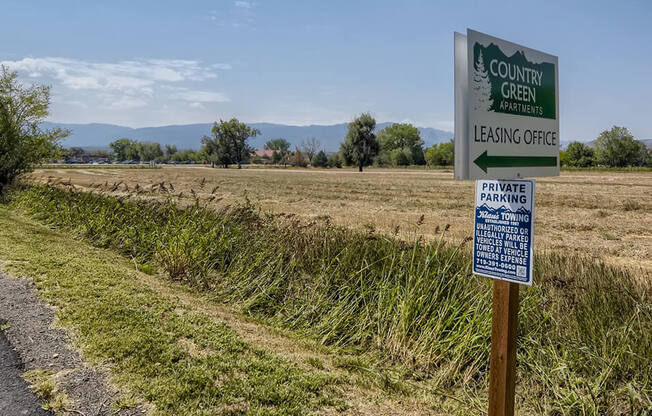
43 384
607 169
182 362
585 328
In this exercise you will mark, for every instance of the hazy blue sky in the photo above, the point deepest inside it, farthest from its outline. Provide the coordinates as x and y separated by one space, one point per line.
141 63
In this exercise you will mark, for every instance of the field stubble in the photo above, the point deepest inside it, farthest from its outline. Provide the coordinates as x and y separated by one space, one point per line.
606 215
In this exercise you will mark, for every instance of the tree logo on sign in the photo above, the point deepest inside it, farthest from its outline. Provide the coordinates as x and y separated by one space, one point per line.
481 86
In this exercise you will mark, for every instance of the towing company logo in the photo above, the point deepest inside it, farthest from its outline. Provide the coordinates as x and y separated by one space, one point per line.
512 85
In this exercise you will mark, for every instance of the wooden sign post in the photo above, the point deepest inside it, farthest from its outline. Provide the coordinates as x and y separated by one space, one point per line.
502 372
503 250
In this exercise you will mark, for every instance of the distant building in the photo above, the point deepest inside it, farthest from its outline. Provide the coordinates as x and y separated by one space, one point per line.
263 154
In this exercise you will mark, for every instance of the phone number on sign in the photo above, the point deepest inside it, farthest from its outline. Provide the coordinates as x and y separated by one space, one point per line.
495 264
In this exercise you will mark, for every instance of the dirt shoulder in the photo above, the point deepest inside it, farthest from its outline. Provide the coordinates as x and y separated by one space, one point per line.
41 346
15 396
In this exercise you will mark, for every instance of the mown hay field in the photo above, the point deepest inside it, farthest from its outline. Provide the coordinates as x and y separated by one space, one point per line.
607 215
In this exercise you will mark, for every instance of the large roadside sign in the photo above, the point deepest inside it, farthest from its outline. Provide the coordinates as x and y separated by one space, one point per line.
506 129
504 230
506 109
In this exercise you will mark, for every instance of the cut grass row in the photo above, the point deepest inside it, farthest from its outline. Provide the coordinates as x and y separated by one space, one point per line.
585 331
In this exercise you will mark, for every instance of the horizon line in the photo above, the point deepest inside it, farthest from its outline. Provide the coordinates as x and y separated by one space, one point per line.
246 122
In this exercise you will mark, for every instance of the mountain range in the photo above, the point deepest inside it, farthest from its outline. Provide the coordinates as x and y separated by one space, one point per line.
188 136
503 208
564 143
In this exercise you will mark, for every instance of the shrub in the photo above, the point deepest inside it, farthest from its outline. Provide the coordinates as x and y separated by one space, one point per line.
23 144
298 159
320 160
441 155
335 161
578 154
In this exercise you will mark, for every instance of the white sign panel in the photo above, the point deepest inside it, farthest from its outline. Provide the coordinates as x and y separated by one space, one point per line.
506 109
504 230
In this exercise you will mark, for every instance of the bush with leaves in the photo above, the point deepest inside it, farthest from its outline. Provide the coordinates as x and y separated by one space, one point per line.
401 157
320 160
578 154
442 154
402 144
23 143
335 161
617 148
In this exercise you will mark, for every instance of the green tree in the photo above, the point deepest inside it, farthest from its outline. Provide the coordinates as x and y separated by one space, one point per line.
401 157
186 155
320 160
280 145
150 151
617 148
76 152
402 138
335 160
122 149
280 148
217 150
169 151
360 146
23 143
578 154
135 151
100 153
442 154
228 143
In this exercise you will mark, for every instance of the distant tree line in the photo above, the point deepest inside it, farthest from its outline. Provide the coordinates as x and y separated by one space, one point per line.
613 148
399 144
79 154
132 150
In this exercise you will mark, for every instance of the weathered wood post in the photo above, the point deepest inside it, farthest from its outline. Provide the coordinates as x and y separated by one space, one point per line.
502 372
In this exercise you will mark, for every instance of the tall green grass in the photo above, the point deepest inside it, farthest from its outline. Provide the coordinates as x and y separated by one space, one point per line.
585 331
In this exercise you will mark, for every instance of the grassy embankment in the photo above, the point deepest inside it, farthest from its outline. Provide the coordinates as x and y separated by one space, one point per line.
585 331
160 350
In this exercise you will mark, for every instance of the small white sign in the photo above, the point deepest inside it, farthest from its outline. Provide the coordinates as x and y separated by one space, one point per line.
504 230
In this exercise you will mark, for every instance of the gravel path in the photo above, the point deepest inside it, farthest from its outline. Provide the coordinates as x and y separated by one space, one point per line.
15 396
33 344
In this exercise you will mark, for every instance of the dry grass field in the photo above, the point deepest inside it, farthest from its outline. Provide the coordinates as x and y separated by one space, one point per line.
607 215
